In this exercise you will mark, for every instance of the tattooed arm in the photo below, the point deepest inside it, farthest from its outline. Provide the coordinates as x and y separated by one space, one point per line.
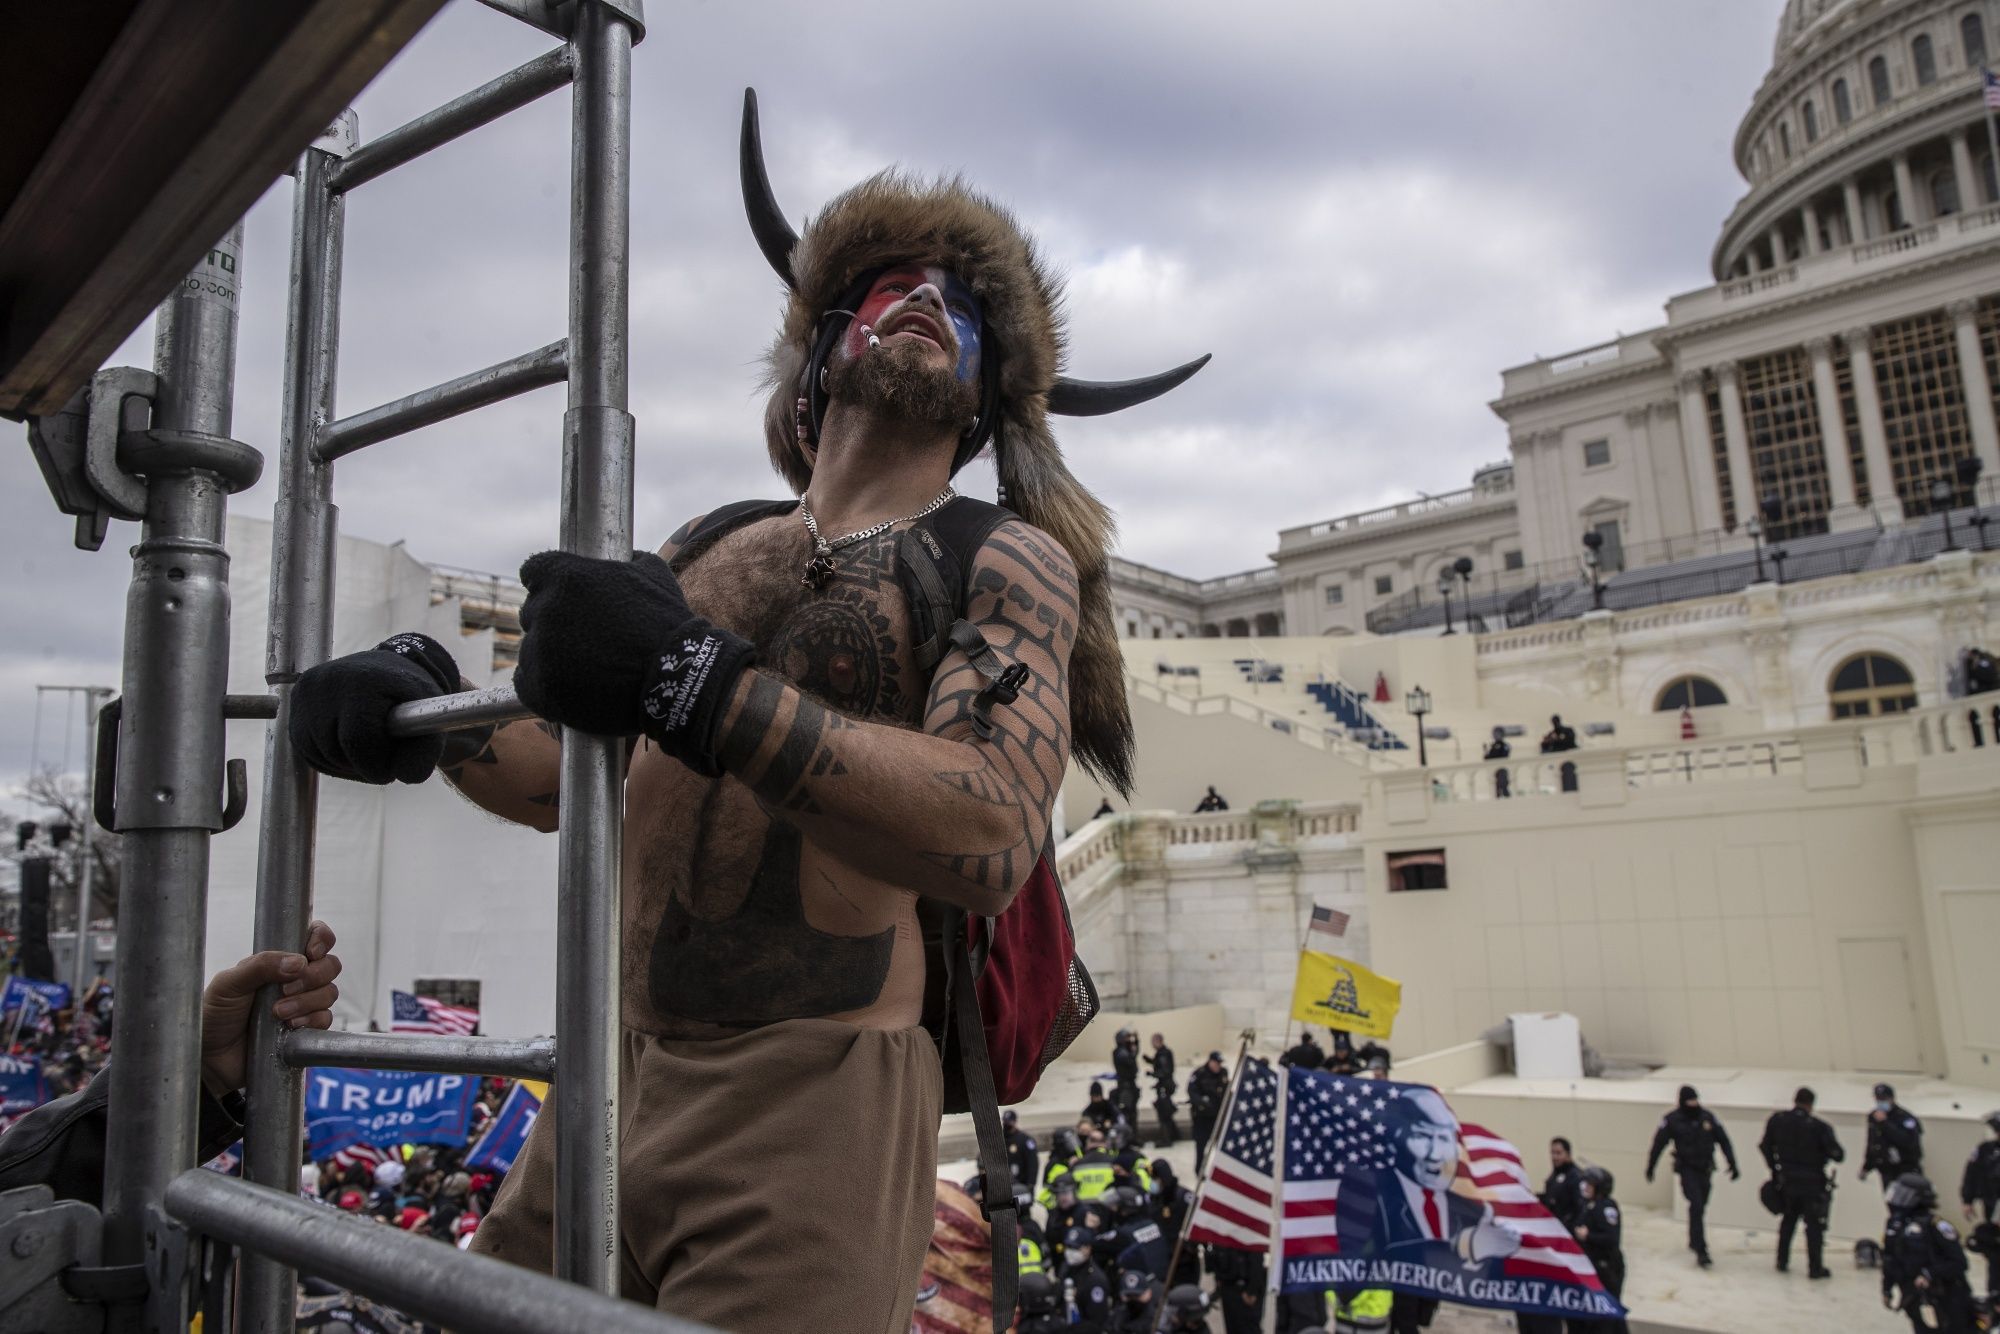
514 770
938 811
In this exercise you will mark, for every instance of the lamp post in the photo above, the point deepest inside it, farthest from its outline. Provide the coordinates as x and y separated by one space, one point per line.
1941 501
1444 591
1462 567
1756 530
1593 540
1780 555
1418 702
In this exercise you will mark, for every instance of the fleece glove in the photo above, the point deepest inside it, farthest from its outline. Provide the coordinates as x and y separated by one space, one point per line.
611 647
339 711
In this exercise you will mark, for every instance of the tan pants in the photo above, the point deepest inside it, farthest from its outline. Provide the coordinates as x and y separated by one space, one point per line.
783 1180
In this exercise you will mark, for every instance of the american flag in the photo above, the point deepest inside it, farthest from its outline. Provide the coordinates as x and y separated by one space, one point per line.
1330 921
1990 82
360 1155
427 1014
1233 1206
1336 1126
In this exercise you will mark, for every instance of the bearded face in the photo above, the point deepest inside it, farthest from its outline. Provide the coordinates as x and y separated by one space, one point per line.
925 368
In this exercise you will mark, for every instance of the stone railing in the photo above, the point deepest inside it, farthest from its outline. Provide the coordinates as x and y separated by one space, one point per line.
1907 239
1408 509
1093 857
1762 282
1729 760
1306 731
1962 727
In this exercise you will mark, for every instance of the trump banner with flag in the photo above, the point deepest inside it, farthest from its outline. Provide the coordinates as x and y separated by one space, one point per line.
1339 993
22 1086
507 1134
1366 1183
44 997
383 1108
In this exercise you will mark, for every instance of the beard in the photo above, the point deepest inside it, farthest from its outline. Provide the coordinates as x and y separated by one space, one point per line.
901 380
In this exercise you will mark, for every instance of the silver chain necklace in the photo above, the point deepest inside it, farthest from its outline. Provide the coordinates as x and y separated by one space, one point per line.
819 569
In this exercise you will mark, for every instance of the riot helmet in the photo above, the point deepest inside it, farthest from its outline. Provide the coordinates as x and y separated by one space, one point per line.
1912 1191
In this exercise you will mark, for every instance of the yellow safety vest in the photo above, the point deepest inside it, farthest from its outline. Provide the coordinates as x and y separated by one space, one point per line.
1031 1256
1369 1310
1092 1179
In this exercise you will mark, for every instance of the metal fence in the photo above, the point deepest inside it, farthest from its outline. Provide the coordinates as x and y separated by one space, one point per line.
175 1239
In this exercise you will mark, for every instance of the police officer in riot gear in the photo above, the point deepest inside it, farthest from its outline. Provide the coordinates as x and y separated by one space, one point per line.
1187 1310
1562 1193
1160 1065
1980 1186
1207 1087
1895 1140
1063 1206
1695 1135
1799 1147
1125 1064
1305 1052
1086 1289
1600 1233
1239 1288
1041 1307
1921 1255
1140 1297
1023 1154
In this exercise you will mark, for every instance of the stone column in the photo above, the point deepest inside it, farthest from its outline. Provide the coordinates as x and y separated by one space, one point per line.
1978 388
1845 513
1810 214
1753 259
1777 240
1704 490
1882 495
1906 190
1857 226
1736 443
1969 193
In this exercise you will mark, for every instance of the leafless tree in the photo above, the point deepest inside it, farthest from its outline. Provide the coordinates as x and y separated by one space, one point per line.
62 801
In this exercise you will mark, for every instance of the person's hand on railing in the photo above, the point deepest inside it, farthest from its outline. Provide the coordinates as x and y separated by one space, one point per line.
305 1000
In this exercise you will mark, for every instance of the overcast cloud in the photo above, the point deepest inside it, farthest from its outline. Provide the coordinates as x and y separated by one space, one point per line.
1364 211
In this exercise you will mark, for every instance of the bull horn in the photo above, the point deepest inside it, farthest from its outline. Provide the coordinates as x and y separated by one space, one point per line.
1094 398
775 236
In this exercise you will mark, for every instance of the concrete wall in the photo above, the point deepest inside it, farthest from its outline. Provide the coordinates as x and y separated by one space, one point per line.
1766 922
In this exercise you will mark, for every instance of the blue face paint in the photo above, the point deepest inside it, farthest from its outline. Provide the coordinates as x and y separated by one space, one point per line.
890 289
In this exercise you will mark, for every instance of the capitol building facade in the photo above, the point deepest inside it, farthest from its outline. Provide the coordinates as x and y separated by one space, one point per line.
1834 384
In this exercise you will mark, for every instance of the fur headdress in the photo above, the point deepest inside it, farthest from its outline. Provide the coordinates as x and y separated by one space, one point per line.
893 218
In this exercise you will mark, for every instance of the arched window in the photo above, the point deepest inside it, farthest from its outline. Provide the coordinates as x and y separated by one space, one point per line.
1689 692
1843 109
1972 36
1878 80
1871 684
1944 192
1785 140
1924 59
1811 118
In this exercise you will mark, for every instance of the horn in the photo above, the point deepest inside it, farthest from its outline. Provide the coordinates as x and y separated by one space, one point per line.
775 236
1094 398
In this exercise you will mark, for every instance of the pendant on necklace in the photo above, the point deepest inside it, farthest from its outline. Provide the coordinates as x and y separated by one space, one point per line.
820 568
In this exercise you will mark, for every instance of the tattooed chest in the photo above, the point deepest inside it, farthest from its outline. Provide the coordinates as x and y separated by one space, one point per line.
846 644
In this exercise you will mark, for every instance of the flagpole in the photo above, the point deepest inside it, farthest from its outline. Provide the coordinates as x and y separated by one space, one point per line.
1275 1269
1201 1177
1304 936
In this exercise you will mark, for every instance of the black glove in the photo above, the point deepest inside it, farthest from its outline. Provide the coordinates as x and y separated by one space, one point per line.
612 648
340 710
1733 1173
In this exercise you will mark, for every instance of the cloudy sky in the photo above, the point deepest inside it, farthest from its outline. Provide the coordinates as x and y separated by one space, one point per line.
1364 211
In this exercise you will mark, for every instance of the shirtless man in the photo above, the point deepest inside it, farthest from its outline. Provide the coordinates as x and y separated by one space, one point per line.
804 786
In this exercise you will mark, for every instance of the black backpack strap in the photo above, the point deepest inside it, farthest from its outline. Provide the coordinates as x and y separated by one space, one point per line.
996 1174
934 563
722 520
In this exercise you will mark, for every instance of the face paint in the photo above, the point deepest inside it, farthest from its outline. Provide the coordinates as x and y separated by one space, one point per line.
893 285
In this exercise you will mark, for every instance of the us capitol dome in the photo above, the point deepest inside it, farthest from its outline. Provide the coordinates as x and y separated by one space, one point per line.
1868 124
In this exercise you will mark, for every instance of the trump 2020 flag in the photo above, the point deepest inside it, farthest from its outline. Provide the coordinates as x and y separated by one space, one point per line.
385 1108
507 1135
1340 993
1377 1185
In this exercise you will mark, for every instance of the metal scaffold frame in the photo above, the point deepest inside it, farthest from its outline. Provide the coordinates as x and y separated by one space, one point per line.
170 1231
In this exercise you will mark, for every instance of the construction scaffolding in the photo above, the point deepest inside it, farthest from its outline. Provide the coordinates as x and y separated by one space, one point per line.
172 1240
